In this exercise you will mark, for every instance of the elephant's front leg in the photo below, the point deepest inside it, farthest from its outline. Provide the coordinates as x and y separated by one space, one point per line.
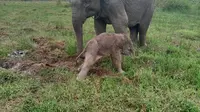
120 24
117 60
120 28
100 26
79 35
118 18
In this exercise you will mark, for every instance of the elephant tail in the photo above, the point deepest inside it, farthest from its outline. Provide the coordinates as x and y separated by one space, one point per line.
80 55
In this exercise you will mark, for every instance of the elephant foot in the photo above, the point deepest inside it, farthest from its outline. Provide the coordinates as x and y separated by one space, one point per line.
78 51
78 78
143 45
121 71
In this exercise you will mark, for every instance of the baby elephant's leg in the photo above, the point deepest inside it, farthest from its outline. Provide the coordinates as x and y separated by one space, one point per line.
79 68
117 60
88 62
96 59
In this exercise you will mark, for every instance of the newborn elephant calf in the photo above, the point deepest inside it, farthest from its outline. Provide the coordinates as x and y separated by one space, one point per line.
105 44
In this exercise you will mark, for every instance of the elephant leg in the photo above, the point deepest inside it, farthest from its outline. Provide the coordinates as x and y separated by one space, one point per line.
79 44
100 26
88 62
144 25
142 36
79 36
134 34
118 18
120 25
117 60
119 28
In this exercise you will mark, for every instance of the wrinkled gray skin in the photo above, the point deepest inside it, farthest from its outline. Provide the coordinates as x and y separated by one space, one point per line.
134 14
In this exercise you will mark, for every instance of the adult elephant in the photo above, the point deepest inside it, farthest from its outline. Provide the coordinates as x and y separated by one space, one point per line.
134 14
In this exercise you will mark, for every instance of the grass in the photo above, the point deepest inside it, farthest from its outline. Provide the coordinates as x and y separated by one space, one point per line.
177 5
165 76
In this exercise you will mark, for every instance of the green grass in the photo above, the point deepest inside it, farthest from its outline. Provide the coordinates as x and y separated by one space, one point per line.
165 76
177 5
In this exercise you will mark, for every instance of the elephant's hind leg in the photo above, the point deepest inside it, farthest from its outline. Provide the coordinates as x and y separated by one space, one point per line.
100 26
88 62
134 34
142 35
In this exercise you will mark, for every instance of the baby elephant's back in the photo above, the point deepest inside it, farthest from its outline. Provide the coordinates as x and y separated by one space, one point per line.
108 40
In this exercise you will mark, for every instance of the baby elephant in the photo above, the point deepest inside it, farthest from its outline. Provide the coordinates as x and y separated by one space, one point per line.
105 44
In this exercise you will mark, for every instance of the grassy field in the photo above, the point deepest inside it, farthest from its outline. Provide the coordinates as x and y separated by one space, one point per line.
163 77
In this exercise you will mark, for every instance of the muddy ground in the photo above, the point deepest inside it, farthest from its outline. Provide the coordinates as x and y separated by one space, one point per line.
47 53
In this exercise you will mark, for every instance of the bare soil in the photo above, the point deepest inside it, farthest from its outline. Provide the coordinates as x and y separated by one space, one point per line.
47 53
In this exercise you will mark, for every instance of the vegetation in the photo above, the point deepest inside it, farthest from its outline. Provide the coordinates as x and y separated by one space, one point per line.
183 6
177 5
165 76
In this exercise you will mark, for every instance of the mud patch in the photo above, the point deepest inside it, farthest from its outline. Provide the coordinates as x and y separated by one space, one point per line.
3 34
48 51
46 54
8 106
102 72
7 64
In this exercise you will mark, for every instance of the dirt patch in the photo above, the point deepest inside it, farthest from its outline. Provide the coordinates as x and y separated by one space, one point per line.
102 72
47 53
28 30
175 43
8 106
3 34
7 64
126 80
